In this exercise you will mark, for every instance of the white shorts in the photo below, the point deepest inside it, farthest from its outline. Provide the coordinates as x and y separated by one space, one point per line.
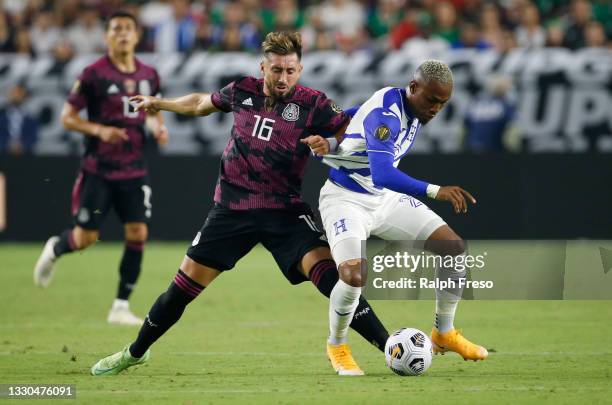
350 218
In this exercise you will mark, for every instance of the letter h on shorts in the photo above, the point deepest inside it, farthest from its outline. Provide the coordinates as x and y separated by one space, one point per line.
340 226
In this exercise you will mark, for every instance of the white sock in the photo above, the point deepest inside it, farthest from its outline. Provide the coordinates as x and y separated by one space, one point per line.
120 304
446 305
343 302
447 299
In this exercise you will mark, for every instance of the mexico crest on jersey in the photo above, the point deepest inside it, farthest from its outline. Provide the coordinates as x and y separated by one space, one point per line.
291 112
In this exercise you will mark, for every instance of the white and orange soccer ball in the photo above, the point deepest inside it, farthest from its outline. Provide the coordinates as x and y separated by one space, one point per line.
408 352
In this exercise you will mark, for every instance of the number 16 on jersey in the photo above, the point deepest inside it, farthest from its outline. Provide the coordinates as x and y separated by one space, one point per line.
263 131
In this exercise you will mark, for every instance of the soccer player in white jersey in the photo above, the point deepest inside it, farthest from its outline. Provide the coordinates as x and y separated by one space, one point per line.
367 195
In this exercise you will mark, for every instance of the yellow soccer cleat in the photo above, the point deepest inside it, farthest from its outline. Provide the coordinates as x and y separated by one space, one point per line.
453 341
342 360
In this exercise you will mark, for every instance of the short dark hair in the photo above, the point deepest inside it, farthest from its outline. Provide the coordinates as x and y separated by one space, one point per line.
119 14
283 43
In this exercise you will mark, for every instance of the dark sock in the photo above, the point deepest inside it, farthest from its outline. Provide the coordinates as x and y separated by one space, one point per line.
129 269
324 276
65 244
165 312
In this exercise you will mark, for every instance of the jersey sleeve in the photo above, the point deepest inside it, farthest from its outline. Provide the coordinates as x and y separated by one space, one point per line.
82 90
381 129
328 118
223 98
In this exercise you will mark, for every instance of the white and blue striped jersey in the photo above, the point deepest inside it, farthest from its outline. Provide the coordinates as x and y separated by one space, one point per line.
382 124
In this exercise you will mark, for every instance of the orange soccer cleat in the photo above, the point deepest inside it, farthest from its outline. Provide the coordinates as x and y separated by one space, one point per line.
454 341
342 360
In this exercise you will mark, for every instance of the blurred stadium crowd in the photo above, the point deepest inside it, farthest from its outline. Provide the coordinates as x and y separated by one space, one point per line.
65 27
50 37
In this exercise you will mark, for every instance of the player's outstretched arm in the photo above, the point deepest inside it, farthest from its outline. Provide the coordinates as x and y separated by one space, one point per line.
191 104
384 174
72 121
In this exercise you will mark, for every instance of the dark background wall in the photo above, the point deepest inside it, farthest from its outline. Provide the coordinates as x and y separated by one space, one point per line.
519 196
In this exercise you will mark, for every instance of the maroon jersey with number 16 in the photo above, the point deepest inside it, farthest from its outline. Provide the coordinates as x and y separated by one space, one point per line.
263 164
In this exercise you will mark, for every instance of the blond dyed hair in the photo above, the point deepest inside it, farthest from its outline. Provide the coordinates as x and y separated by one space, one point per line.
435 70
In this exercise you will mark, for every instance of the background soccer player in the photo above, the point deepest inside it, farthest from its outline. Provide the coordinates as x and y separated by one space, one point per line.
258 194
367 195
113 173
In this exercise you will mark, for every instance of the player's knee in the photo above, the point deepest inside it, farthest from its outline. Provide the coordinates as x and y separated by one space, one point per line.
136 232
199 273
452 246
445 242
91 237
455 247
352 272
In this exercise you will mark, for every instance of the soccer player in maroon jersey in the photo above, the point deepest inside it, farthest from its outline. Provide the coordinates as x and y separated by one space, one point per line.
113 172
258 194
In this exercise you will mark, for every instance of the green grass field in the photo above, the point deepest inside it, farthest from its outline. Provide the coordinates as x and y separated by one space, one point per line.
252 338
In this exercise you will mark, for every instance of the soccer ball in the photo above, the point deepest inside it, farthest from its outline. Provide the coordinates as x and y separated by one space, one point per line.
408 352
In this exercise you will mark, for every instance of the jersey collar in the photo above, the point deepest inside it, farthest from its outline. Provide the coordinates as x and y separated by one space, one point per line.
116 69
405 106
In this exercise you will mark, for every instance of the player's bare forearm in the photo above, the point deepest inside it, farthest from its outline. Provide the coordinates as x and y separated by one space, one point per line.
72 121
186 105
205 105
190 104
340 134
